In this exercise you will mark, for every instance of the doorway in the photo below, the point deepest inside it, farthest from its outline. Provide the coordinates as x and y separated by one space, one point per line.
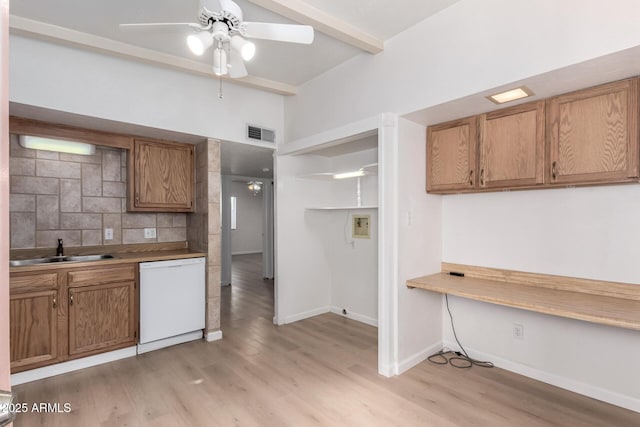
247 250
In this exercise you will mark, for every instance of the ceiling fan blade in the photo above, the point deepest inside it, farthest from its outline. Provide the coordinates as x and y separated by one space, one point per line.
237 68
165 26
279 32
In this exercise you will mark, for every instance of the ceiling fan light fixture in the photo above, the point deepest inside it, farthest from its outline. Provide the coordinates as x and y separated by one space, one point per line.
246 48
198 43
254 187
220 61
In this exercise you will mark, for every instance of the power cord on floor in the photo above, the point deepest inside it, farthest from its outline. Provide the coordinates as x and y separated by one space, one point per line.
456 359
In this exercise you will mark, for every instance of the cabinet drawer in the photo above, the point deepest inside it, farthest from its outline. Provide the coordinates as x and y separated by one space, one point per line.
102 275
24 283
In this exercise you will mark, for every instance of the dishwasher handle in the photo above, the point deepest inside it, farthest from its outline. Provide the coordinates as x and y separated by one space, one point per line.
171 263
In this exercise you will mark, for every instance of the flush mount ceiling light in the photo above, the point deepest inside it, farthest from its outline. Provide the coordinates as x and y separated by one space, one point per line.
511 95
254 187
345 175
59 145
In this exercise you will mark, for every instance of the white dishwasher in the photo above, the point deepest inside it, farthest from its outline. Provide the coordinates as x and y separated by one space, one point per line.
172 302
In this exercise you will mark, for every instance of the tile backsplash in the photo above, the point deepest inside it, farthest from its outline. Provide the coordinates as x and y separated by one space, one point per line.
74 197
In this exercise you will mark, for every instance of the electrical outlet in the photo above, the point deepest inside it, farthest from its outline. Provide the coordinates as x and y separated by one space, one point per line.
518 331
149 233
108 234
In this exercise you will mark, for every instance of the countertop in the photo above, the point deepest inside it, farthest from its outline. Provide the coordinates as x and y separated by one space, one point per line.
119 257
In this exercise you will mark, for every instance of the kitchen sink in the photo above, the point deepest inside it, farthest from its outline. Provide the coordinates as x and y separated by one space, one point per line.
77 258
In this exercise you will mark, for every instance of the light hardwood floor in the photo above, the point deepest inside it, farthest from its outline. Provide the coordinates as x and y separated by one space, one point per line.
316 372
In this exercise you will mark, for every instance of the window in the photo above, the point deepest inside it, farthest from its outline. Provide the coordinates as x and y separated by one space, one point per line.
233 212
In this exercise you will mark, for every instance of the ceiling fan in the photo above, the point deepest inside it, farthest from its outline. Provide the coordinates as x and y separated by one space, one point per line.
220 24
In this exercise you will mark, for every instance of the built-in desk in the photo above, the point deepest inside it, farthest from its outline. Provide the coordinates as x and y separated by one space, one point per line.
607 303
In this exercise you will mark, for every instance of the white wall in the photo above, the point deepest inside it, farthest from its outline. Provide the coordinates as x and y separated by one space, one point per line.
303 273
419 250
247 237
64 78
353 262
467 48
581 232
321 241
354 265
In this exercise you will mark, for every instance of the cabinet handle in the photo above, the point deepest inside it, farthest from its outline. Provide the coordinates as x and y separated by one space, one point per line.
70 297
55 301
137 198
482 177
554 170
471 178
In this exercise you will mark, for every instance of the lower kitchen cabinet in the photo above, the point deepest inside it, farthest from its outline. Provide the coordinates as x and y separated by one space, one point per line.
71 313
33 320
101 317
102 310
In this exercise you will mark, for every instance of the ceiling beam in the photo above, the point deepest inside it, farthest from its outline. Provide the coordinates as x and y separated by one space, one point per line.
40 30
303 13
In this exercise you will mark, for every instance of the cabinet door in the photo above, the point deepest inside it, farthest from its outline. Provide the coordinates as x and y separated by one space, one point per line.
512 147
101 317
451 156
162 176
33 328
593 135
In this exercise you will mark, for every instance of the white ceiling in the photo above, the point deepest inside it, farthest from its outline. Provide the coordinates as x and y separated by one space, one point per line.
284 62
246 160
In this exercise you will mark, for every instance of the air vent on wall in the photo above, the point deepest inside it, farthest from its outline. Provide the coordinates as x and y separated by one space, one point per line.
261 134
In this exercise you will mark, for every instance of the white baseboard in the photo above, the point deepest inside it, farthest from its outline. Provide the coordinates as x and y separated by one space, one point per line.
418 357
386 370
589 390
167 342
246 252
214 336
355 316
71 365
305 315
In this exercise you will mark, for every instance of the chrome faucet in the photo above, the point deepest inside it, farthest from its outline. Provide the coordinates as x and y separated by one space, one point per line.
60 250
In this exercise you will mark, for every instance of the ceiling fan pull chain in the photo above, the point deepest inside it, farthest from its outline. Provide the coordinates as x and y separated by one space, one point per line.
220 95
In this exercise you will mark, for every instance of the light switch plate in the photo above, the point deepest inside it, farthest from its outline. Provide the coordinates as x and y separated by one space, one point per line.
108 234
149 233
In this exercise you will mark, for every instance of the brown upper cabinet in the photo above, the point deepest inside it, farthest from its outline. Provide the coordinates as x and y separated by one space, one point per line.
161 176
512 147
451 156
593 135
582 138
